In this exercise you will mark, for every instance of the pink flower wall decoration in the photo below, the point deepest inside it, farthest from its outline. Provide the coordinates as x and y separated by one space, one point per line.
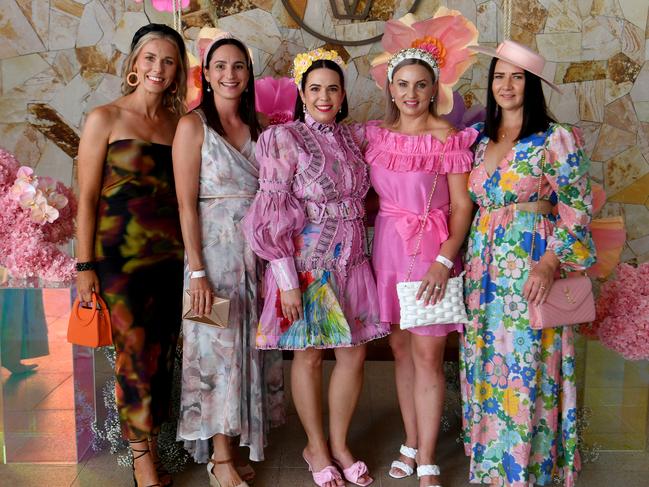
276 98
37 217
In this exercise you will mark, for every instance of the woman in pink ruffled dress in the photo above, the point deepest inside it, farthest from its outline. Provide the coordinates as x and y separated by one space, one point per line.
307 221
414 153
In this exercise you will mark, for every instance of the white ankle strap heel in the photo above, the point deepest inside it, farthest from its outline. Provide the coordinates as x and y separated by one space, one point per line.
407 452
428 470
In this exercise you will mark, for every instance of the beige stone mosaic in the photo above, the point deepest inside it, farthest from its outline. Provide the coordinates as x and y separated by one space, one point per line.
61 58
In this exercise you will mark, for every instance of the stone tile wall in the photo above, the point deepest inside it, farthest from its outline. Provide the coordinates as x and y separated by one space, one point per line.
60 58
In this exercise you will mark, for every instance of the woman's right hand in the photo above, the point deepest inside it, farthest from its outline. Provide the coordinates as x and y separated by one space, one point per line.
202 295
292 304
87 283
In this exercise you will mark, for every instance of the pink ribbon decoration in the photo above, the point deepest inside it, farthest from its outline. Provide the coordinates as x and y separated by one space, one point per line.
408 226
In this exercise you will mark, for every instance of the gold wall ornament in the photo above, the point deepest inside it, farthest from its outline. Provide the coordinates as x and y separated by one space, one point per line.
351 9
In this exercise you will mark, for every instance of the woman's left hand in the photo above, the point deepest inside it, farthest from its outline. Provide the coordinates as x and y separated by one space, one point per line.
433 284
538 284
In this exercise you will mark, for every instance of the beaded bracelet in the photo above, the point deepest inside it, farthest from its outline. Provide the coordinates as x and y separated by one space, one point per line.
84 266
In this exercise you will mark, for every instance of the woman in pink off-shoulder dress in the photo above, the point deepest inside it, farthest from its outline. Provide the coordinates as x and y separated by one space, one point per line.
412 153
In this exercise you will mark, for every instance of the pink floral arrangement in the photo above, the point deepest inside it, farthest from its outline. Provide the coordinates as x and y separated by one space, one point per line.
275 98
623 312
37 217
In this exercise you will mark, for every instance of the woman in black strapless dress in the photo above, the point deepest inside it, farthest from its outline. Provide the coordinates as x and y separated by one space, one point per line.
129 243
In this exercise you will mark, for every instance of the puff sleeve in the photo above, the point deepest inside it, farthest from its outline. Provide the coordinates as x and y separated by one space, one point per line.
566 169
276 215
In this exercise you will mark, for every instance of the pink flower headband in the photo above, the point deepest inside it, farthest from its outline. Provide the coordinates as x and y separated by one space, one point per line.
206 39
204 49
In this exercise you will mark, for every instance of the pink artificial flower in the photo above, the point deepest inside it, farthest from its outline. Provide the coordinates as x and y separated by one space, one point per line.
167 5
276 98
449 29
23 191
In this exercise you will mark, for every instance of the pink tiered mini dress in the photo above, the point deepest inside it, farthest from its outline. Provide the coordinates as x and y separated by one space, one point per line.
402 171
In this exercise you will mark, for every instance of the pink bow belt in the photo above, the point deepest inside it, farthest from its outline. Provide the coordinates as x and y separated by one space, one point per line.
408 224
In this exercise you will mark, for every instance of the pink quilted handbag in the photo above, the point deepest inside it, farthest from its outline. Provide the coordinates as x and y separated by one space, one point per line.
570 302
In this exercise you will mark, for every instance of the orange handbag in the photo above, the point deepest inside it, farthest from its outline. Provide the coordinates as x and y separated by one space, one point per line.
90 327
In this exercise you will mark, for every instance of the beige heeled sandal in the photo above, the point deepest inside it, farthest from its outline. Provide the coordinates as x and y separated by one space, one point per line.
214 481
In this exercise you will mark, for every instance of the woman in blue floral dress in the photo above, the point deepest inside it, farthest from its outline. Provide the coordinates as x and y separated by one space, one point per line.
518 384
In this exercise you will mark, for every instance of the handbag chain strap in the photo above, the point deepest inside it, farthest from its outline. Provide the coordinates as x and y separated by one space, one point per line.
536 213
422 223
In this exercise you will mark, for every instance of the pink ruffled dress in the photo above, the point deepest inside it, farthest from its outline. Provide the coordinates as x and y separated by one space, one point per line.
307 221
402 171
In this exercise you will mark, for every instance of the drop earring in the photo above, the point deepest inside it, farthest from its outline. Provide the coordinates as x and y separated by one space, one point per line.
432 99
304 107
208 89
392 99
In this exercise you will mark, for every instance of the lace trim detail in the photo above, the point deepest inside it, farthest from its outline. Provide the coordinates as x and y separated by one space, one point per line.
325 240
314 167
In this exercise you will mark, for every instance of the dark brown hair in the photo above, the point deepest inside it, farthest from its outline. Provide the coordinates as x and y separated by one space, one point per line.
322 63
247 111
535 112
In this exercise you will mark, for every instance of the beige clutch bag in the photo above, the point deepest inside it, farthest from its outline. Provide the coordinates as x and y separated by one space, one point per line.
218 316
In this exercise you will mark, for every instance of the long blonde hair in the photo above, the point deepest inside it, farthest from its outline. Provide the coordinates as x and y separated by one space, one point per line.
175 101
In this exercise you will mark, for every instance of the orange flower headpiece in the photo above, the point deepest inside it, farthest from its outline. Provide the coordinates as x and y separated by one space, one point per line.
441 42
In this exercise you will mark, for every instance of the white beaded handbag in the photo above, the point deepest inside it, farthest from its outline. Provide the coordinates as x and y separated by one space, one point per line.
450 309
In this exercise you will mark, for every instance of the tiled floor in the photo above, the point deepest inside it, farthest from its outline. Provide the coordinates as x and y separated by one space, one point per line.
375 437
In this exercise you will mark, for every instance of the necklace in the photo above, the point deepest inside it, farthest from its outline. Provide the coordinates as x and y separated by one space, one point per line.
503 134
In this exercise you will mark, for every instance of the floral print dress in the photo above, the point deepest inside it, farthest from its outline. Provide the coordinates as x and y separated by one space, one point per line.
228 386
518 384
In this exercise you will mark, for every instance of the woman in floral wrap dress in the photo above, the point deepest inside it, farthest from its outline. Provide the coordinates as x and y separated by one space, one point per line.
231 392
518 384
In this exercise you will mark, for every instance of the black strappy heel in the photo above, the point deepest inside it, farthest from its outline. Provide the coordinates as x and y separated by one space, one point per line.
141 454
159 467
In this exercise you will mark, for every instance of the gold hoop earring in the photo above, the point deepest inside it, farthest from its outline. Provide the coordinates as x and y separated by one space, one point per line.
132 83
175 85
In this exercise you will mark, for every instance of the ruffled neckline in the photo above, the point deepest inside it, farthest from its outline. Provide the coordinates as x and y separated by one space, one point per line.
403 152
325 128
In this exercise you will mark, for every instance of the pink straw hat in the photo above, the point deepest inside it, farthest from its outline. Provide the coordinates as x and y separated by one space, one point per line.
518 55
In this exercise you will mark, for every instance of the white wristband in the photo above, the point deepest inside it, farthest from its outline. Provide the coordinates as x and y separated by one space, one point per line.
197 274
444 261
